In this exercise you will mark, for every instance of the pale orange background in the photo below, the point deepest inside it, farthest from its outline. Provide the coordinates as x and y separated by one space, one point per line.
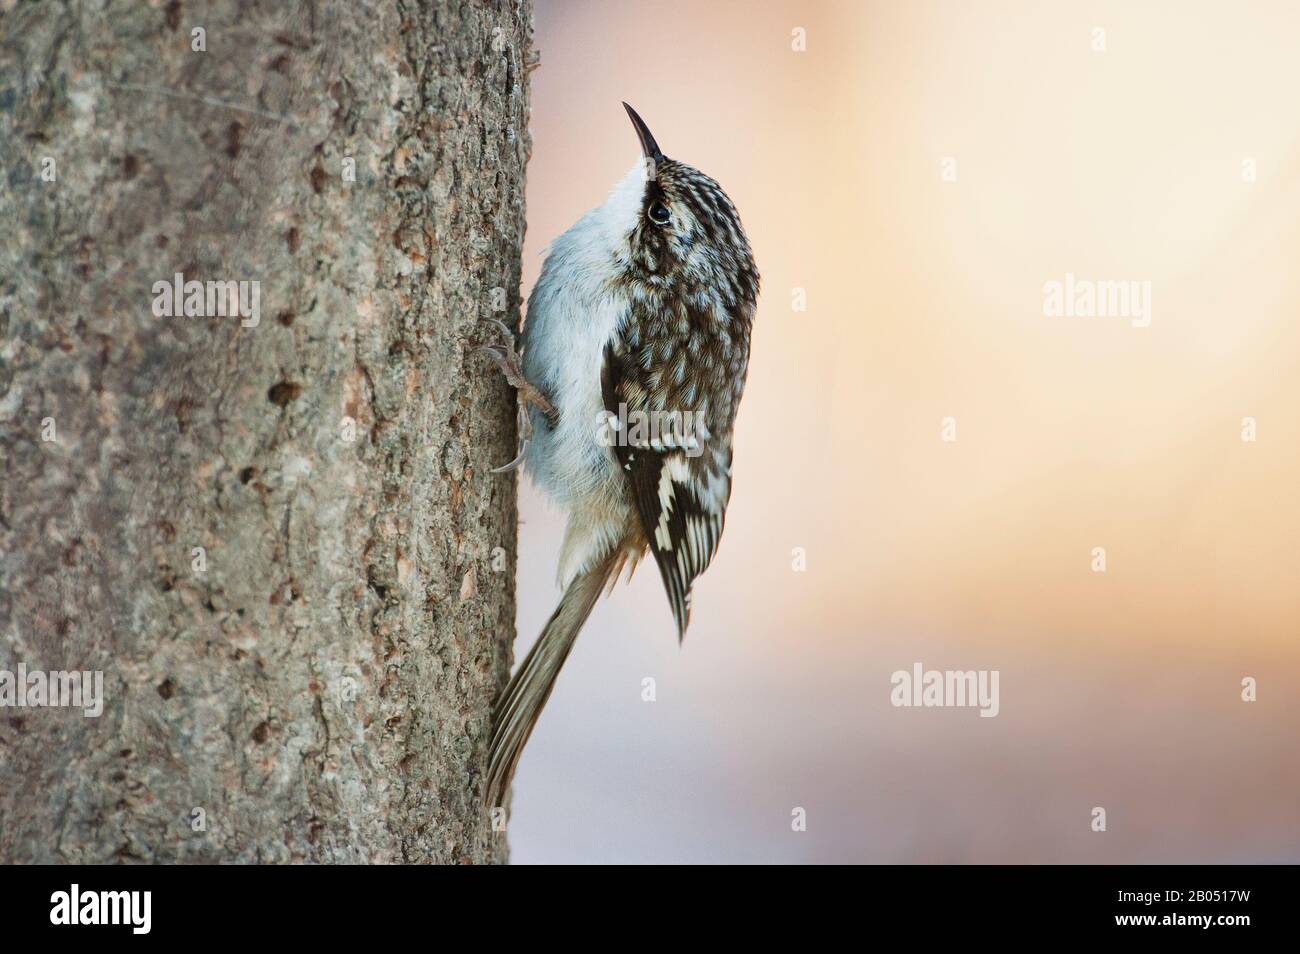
1119 690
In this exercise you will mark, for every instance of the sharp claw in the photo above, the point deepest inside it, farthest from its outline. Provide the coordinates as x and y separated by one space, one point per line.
504 327
508 359
514 464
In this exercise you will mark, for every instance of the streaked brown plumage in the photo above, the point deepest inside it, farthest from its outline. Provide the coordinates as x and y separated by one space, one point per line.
642 316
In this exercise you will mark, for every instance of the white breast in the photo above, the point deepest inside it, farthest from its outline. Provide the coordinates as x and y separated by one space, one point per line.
573 313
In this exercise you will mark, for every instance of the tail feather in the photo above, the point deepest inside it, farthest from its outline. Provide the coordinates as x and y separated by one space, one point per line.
521 703
630 558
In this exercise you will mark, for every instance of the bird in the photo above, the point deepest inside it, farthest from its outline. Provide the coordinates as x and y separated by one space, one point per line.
635 351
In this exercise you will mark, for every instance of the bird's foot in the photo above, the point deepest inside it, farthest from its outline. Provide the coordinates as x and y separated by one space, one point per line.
525 435
507 358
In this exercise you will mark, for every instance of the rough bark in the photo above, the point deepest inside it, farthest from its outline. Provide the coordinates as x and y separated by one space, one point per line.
321 688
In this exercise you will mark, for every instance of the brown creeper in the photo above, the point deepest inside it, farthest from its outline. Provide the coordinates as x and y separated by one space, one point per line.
637 338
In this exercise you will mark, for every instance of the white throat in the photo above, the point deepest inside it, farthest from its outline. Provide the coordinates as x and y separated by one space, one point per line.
619 214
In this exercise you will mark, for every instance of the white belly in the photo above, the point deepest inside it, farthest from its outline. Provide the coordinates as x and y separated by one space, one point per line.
572 315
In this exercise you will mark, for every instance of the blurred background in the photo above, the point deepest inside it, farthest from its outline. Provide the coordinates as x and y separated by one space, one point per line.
1126 154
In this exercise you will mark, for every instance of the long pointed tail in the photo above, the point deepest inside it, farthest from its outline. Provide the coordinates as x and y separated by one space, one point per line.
521 703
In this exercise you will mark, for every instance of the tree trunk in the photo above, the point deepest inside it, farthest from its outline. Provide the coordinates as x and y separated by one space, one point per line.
277 539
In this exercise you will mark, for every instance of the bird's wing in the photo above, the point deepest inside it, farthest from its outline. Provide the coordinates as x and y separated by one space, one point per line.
672 441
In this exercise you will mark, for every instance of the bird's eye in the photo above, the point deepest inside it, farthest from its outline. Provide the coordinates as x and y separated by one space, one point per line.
659 213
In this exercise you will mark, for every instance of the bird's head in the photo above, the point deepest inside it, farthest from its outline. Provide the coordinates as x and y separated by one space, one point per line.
675 226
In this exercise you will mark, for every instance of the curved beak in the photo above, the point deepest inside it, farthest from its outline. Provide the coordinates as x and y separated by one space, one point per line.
649 148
